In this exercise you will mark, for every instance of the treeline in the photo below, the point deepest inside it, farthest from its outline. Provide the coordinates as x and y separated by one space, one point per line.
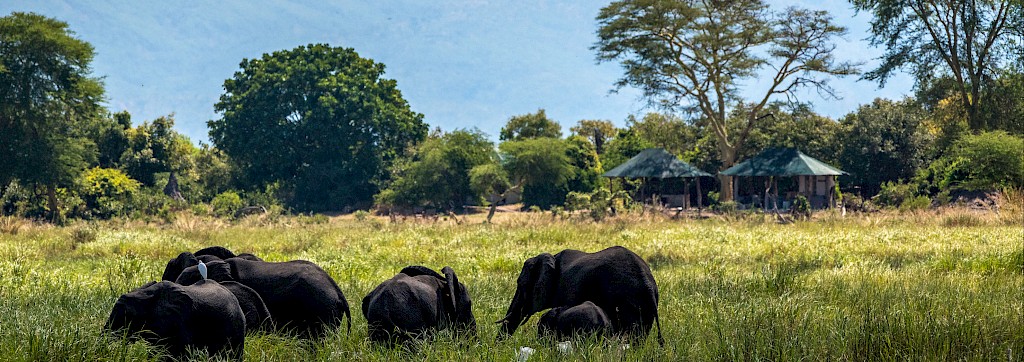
317 128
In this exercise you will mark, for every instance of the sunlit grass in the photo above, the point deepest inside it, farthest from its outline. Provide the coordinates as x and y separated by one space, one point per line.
881 287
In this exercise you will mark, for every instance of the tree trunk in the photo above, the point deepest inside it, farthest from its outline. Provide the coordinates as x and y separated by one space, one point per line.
728 160
490 213
51 197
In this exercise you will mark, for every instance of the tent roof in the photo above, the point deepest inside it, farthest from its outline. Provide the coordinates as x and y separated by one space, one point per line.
655 163
782 162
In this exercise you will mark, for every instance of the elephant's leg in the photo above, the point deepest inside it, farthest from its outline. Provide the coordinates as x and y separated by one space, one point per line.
629 322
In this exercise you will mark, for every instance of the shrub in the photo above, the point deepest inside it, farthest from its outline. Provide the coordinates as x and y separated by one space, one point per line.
987 161
576 201
915 203
801 207
361 215
727 207
107 192
893 194
226 203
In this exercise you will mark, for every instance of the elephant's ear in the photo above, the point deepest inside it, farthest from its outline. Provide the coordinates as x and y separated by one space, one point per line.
546 282
452 282
414 270
179 263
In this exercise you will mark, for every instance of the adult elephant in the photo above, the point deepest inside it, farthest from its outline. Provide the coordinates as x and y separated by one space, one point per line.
186 259
203 316
415 302
615 279
300 296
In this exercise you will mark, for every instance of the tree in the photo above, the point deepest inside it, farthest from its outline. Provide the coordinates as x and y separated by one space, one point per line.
598 132
693 55
151 149
967 40
541 166
586 164
533 125
666 131
491 182
882 142
48 103
438 173
319 119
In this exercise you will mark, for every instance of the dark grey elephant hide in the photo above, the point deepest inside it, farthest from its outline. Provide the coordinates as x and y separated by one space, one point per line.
582 320
300 296
415 302
615 279
203 316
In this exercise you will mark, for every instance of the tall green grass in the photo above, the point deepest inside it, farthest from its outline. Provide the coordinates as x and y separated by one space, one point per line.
830 289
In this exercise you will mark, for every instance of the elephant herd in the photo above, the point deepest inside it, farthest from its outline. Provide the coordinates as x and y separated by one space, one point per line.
209 300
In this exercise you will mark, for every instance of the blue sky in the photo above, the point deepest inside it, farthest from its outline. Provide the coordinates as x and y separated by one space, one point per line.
461 63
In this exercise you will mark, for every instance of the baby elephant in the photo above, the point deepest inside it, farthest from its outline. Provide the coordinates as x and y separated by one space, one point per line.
416 301
567 322
204 316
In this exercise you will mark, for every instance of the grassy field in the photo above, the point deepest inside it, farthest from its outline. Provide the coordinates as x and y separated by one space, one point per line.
878 287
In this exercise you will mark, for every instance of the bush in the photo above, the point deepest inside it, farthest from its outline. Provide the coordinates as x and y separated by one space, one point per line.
226 203
107 192
727 207
893 194
983 162
801 207
361 215
576 201
916 203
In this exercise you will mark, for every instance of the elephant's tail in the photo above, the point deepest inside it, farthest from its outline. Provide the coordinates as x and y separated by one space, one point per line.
657 321
344 307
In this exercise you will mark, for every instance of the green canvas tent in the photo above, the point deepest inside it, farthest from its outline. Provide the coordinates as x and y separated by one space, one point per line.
657 163
815 179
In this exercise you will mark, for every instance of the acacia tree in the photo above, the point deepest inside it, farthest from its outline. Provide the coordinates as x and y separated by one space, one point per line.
48 104
694 54
320 120
967 40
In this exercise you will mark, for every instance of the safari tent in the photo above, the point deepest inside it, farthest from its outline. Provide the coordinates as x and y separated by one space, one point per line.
656 163
813 179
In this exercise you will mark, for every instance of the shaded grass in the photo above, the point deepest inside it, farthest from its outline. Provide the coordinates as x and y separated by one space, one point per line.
855 289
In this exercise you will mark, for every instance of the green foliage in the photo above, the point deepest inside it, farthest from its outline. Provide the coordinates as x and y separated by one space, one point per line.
915 203
894 194
213 173
107 192
881 142
438 174
598 132
542 166
152 149
801 207
988 161
964 39
319 119
576 201
49 103
489 181
627 144
226 203
586 165
532 125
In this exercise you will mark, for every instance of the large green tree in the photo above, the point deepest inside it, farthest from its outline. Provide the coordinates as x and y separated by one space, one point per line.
319 119
541 166
598 132
437 175
531 125
695 55
882 142
965 40
48 104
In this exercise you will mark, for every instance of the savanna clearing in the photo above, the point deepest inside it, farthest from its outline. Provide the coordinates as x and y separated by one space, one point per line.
927 286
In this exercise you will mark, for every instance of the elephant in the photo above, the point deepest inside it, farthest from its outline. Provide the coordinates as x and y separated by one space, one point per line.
206 255
415 302
580 320
615 279
257 316
205 315
299 295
